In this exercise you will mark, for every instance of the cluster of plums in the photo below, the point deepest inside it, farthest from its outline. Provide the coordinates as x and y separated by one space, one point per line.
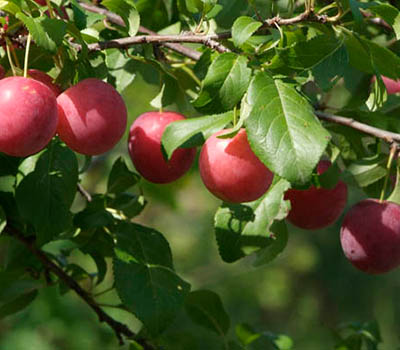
91 116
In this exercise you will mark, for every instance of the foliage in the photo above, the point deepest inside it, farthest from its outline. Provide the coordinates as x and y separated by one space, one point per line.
243 67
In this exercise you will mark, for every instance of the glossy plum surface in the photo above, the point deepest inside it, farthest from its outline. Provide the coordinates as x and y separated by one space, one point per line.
231 171
145 148
316 208
370 236
45 79
28 116
92 117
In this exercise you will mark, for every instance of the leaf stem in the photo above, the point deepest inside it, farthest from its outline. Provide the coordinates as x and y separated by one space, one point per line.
8 43
26 61
393 151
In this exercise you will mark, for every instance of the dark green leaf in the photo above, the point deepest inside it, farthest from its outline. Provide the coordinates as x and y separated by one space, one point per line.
389 14
127 10
243 28
205 308
44 196
80 17
242 229
9 165
282 129
129 204
226 82
192 132
144 276
121 178
94 215
18 304
47 33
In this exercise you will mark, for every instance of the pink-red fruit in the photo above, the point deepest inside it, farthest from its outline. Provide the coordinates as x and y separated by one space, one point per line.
92 117
370 236
28 116
316 208
392 86
45 79
145 148
231 171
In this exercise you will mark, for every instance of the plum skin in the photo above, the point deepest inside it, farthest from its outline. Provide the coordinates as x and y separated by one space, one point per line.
28 116
370 236
45 79
92 117
316 208
144 146
231 171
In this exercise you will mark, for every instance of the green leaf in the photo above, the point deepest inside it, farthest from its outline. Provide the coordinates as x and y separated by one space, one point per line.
378 95
129 204
47 33
205 308
127 10
307 54
282 129
9 165
94 215
3 220
246 334
121 69
243 28
242 229
368 56
18 304
333 67
44 196
366 171
80 17
192 132
389 14
121 178
144 276
226 82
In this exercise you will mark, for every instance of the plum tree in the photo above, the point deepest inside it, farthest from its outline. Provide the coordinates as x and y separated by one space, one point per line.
231 171
45 79
92 116
144 146
370 236
28 116
316 208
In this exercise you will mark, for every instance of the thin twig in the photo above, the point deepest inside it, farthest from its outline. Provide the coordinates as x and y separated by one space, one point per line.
388 136
84 193
119 328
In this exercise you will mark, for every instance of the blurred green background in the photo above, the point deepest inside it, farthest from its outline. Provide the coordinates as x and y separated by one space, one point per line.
305 293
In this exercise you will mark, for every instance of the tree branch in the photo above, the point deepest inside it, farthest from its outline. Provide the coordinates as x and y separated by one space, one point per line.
112 17
388 136
119 328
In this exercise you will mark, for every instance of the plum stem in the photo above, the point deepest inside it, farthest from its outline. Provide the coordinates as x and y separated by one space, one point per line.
8 43
393 151
26 61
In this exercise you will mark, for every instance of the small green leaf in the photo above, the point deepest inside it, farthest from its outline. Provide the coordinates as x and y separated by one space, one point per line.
366 171
243 28
121 178
47 33
144 276
192 132
94 215
44 196
127 10
242 229
378 95
205 308
283 130
226 82
121 69
246 334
